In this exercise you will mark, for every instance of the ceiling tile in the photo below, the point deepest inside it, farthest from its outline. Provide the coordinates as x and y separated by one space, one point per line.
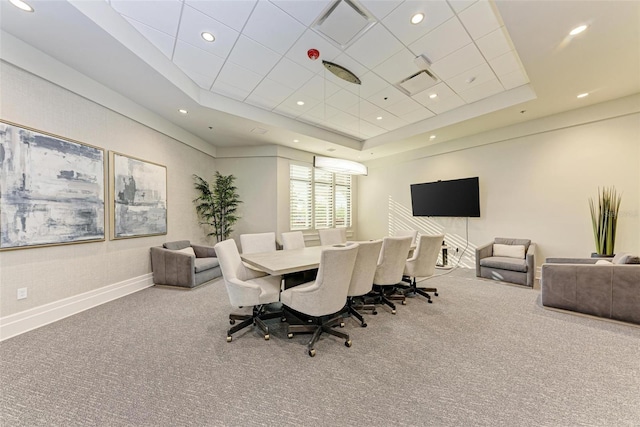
370 130
188 57
233 13
482 91
460 5
363 108
292 102
479 19
342 119
229 91
321 112
458 62
286 110
514 79
442 41
304 11
203 81
318 88
505 64
194 23
387 96
253 56
441 89
441 105
398 67
398 21
371 84
342 100
374 47
417 115
494 44
390 122
479 74
262 102
273 91
162 41
312 40
290 74
273 28
239 77
379 8
162 16
404 107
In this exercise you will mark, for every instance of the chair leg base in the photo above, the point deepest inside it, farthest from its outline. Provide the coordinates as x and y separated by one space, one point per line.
257 318
318 325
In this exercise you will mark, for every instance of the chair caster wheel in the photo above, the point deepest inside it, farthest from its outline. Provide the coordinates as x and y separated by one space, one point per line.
229 338
289 335
342 324
430 302
393 312
232 322
266 337
435 293
312 352
375 313
283 319
364 325
348 343
404 302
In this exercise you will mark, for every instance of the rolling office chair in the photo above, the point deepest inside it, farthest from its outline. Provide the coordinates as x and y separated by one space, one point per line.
332 236
391 263
404 233
321 302
293 240
422 264
247 287
362 278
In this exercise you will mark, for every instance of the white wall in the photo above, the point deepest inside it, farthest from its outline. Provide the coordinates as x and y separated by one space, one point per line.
534 186
54 273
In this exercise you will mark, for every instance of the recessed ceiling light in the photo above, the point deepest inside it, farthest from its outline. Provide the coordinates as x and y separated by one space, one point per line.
379 118
432 137
577 30
208 36
21 5
417 18
582 95
300 102
433 95
296 140
182 111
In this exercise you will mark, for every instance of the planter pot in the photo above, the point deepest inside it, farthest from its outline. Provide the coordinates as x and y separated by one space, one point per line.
596 255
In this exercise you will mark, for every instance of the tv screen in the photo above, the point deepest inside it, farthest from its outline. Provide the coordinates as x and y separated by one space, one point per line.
455 198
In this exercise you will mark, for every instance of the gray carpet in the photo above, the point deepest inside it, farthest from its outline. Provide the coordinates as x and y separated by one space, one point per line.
483 353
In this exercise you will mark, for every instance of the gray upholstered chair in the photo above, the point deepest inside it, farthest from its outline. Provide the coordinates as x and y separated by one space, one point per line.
391 263
182 264
247 287
362 278
507 260
258 242
293 240
319 304
422 264
332 236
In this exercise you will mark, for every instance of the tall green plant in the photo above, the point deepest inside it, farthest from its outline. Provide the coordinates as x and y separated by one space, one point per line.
217 204
604 219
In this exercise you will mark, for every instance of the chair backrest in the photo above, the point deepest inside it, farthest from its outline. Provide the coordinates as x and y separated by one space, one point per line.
328 294
258 242
332 236
234 274
391 262
293 240
423 261
404 233
365 268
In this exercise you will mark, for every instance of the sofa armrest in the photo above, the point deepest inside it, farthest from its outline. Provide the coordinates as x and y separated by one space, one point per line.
531 264
203 251
172 267
483 252
571 260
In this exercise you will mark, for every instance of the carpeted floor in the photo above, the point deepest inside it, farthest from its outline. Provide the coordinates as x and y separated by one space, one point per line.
484 353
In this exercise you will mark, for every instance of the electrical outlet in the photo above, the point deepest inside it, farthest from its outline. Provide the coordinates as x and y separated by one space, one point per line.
22 293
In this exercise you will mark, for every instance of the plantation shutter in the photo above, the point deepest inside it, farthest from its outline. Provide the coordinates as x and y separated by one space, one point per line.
300 197
323 199
343 200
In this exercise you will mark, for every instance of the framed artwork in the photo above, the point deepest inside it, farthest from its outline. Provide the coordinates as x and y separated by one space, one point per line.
138 196
52 189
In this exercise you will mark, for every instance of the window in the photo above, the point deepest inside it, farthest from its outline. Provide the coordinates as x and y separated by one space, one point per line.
318 199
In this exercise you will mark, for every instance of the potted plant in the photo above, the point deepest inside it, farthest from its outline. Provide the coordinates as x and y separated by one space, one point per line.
217 203
604 218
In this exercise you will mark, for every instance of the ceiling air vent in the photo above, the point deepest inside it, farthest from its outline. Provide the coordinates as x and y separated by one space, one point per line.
343 22
419 81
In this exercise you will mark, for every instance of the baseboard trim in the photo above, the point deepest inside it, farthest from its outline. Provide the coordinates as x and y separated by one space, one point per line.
28 320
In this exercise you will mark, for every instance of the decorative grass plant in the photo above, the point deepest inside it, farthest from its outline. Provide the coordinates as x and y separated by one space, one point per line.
604 218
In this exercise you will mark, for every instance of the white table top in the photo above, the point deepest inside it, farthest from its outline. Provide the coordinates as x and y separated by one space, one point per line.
284 262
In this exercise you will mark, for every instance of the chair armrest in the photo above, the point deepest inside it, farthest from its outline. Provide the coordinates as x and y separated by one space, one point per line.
483 252
172 267
204 251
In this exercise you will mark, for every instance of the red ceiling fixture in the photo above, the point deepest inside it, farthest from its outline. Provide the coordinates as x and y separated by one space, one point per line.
313 54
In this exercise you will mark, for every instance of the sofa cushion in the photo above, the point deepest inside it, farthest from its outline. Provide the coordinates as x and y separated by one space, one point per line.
203 264
509 251
621 258
178 244
189 251
505 263
633 260
508 241
603 262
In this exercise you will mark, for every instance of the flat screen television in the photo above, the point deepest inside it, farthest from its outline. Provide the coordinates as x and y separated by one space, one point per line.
454 198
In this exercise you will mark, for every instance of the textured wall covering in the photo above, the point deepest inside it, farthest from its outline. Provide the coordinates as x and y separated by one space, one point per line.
54 273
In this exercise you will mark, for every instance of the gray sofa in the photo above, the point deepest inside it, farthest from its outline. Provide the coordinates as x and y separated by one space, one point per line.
577 284
507 269
173 266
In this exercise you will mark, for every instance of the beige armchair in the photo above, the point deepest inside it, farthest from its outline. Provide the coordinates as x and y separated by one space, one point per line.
182 264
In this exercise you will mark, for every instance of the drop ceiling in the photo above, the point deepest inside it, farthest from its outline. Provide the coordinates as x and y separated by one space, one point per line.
493 64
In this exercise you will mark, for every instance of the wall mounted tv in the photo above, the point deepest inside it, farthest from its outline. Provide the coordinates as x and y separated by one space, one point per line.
455 198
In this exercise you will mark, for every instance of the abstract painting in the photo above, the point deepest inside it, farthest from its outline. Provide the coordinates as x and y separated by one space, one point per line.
138 196
52 190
